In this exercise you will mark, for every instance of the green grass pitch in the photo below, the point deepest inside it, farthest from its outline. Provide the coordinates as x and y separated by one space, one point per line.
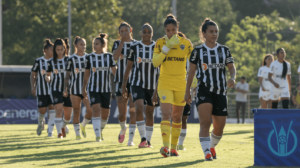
21 147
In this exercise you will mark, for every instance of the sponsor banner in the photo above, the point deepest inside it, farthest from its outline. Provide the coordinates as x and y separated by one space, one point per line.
276 137
24 111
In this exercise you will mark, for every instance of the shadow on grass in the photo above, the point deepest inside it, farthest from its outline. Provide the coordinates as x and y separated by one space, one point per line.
239 132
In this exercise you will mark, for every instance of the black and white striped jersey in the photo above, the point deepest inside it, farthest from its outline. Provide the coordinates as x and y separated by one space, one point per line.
76 64
99 66
40 67
211 63
58 70
122 60
144 74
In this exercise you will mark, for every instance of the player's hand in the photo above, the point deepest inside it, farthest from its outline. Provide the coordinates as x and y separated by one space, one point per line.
173 41
125 36
154 99
231 83
263 89
33 91
65 94
188 98
124 91
276 85
194 83
84 93
47 78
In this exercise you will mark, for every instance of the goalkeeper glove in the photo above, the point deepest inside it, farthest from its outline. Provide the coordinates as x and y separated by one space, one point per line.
170 43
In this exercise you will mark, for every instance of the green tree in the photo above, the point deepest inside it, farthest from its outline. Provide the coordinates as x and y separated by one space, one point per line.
26 24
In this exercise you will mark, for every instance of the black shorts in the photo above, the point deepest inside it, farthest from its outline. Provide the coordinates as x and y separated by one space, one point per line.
102 98
119 88
78 95
137 92
187 110
219 102
43 101
57 97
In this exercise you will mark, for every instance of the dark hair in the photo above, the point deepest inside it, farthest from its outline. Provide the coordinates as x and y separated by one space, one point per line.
266 57
171 19
146 25
243 77
47 44
58 42
102 38
284 71
128 25
67 45
76 40
207 22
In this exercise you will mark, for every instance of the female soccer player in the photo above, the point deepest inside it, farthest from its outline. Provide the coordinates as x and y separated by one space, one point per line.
171 53
263 73
120 51
210 60
57 66
41 89
280 78
97 81
76 68
143 82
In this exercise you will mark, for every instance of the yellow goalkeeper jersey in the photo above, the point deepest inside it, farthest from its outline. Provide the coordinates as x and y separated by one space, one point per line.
173 68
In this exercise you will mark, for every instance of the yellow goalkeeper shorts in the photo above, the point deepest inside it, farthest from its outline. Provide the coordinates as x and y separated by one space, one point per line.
173 97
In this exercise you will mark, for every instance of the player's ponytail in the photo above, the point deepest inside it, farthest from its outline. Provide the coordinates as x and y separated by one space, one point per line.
171 19
58 42
207 22
76 40
47 44
284 71
266 57
68 46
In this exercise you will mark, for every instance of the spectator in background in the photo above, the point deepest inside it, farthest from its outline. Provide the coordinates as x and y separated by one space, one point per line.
296 97
241 89
299 72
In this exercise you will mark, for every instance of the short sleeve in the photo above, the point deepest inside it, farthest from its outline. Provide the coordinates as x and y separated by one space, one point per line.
35 66
194 57
272 68
289 72
229 58
49 66
190 47
70 64
112 61
260 72
157 48
87 63
131 54
299 69
115 46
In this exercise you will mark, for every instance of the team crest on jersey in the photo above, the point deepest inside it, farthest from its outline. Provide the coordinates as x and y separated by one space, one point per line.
55 71
134 95
76 70
40 103
220 54
55 99
204 66
121 56
139 60
182 47
94 69
43 72
92 99
164 97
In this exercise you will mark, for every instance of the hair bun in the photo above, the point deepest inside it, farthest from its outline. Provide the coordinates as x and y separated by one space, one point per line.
48 41
207 20
77 37
103 35
66 40
170 16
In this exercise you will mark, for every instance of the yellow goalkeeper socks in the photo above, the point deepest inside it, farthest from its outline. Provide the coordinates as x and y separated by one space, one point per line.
176 129
165 132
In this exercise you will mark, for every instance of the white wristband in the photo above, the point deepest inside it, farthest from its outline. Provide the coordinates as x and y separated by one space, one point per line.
165 49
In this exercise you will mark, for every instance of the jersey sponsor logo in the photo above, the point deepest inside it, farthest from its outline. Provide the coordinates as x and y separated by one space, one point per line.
214 66
194 55
146 60
121 56
182 47
56 71
139 60
204 66
43 72
100 69
175 59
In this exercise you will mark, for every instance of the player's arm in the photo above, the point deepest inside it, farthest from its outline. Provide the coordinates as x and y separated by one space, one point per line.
261 83
66 85
86 77
270 75
125 78
232 72
192 71
49 71
33 79
113 66
154 96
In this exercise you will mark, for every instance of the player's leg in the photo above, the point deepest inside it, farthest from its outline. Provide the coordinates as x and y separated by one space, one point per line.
41 120
51 113
275 99
166 100
122 106
88 116
105 111
263 103
95 100
76 102
57 99
67 114
285 99
237 111
186 113
177 112
132 122
149 113
243 104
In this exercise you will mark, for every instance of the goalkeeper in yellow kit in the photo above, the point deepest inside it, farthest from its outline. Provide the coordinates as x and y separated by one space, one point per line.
171 53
